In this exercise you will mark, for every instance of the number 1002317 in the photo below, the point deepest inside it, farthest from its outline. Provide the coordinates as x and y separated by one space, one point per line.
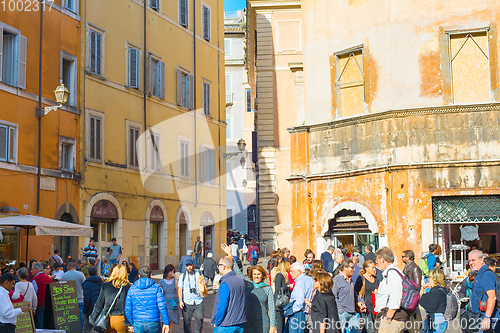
25 5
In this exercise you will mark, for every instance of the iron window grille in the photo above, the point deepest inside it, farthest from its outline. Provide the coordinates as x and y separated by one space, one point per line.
466 209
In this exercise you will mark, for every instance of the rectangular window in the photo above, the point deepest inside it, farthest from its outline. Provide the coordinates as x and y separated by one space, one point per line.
95 52
70 4
350 83
154 4
156 77
469 60
8 143
249 99
95 138
207 165
68 77
13 58
207 99
184 159
133 67
133 138
183 13
229 128
227 47
67 156
184 89
206 23
154 152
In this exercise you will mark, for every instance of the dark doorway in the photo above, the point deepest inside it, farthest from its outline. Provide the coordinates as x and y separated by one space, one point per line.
67 245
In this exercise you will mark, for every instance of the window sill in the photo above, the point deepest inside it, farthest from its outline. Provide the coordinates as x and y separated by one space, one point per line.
94 75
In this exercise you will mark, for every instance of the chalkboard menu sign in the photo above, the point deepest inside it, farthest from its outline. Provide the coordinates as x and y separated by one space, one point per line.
61 307
25 323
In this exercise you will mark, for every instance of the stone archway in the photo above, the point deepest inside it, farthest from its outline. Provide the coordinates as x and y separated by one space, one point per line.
66 244
322 243
183 217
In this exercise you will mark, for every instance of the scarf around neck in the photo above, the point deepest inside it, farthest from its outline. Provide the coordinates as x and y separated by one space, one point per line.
260 284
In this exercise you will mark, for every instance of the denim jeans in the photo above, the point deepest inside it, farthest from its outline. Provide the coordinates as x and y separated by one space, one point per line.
349 322
296 323
229 329
82 317
112 261
197 260
147 327
437 325
39 317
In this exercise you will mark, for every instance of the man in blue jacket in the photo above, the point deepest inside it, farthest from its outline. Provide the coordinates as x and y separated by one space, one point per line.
229 314
91 290
145 303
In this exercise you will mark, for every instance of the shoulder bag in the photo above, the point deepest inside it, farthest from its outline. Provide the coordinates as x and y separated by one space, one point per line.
283 297
101 323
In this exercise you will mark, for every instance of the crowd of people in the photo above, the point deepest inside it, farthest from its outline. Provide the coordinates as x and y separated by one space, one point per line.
342 292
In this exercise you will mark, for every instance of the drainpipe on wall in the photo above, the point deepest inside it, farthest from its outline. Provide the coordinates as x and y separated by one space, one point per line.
144 95
194 107
39 107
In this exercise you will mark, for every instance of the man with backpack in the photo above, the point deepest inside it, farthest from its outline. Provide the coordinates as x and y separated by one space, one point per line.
483 297
390 294
430 261
190 297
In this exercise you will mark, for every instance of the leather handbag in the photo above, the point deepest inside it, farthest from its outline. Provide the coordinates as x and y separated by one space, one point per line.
101 323
283 298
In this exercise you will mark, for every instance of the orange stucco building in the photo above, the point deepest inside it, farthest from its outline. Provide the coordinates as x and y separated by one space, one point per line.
19 99
400 142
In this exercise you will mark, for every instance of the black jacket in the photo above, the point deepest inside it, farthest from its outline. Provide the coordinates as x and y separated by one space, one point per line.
369 256
209 268
413 272
434 301
324 310
106 297
91 290
280 283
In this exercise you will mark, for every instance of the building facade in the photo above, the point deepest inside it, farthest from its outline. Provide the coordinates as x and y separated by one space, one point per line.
29 144
400 141
274 60
241 208
153 119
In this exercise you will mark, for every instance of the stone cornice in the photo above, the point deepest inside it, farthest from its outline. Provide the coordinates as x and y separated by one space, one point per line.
391 168
392 114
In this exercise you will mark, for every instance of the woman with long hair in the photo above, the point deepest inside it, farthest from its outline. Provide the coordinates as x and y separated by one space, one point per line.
434 302
280 286
117 283
261 312
365 285
324 313
169 287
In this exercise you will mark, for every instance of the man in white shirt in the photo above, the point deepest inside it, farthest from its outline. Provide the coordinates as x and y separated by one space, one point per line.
234 250
390 293
190 299
8 315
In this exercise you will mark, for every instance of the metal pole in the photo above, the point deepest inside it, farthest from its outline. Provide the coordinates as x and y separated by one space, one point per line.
39 118
27 240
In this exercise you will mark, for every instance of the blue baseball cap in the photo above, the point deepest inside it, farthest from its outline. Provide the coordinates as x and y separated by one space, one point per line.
189 261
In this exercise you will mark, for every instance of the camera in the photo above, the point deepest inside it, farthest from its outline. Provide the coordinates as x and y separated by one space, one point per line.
192 290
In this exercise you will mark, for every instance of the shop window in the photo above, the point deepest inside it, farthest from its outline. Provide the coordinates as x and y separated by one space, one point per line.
12 57
470 67
350 83
8 143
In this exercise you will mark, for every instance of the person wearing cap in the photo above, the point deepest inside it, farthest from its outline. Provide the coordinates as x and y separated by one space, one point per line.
190 299
184 259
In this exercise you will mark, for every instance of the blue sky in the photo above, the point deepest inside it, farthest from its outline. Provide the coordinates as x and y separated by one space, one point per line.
231 5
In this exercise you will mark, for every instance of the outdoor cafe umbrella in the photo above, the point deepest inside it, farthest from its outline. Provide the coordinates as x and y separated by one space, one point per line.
45 227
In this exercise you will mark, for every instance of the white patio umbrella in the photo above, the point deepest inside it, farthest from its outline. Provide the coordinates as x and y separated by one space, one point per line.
45 227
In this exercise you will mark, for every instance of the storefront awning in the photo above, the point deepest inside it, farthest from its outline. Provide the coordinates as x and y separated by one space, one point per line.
47 227
466 209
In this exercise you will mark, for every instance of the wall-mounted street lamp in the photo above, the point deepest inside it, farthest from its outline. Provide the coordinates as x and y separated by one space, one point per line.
62 94
241 146
244 183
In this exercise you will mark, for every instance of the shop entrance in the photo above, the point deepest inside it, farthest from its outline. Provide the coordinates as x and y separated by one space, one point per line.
183 234
207 223
103 219
156 221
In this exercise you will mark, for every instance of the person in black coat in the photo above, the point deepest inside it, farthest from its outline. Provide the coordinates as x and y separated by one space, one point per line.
134 273
281 286
209 268
323 306
91 290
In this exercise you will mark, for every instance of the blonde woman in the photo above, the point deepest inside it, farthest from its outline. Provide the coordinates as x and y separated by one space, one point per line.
434 302
280 285
117 322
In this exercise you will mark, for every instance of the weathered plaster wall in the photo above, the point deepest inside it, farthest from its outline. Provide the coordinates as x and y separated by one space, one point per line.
403 40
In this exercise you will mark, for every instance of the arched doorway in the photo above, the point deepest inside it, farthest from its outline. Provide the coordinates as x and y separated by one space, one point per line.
207 222
103 218
183 220
156 218
350 223
66 245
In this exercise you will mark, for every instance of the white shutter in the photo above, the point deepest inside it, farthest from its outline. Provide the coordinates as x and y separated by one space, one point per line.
186 159
161 78
1 51
183 14
133 67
